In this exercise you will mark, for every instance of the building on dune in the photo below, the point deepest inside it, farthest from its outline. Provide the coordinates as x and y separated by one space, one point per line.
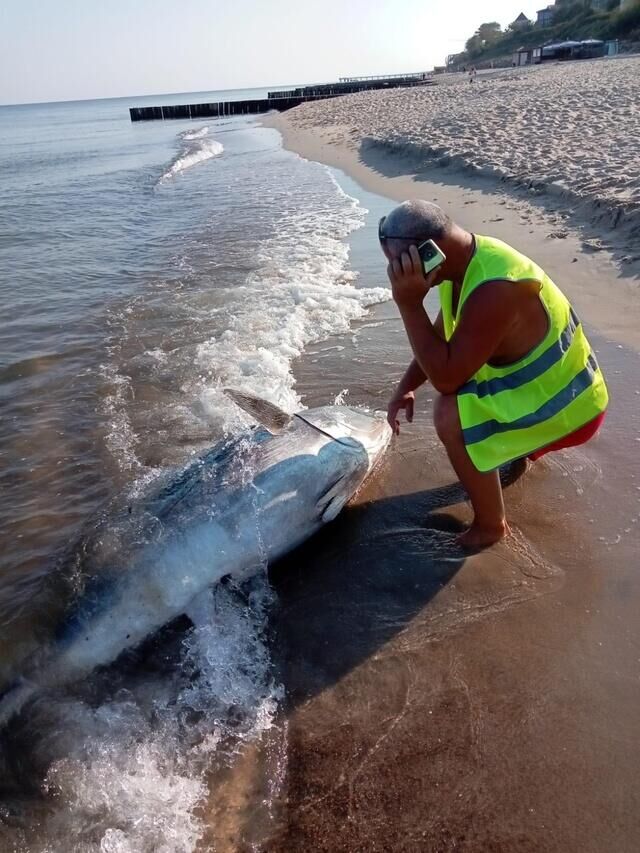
565 50
520 23
544 17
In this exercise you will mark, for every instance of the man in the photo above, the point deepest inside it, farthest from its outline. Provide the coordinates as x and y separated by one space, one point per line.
516 375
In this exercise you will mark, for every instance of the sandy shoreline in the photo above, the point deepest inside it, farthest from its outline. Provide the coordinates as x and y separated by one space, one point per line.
568 131
444 703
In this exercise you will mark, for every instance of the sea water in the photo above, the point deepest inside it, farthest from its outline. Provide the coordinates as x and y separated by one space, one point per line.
143 268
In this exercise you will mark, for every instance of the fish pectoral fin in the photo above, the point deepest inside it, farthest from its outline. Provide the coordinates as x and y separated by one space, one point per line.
333 501
334 508
270 416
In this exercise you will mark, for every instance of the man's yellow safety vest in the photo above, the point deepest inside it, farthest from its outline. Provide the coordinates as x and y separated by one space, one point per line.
511 411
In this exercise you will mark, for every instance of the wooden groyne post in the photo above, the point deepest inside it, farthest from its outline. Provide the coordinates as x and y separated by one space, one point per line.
219 108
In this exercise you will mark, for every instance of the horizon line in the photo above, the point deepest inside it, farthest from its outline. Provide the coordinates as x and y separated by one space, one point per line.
273 86
150 95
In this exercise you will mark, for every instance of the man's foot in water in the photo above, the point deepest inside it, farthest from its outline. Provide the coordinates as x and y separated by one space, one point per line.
480 536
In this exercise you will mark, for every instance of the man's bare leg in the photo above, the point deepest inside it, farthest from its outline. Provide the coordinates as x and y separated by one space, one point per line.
484 489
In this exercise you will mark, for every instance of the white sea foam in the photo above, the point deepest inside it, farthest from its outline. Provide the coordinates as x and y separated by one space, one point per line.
133 772
302 292
121 438
197 148
195 134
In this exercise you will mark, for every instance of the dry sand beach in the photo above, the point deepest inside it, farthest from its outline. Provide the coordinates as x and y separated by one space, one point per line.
489 703
571 132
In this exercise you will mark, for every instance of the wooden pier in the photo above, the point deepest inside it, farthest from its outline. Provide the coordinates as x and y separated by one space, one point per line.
218 109
284 100
349 85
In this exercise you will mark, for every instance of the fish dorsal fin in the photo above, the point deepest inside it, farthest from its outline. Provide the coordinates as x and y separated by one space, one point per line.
270 416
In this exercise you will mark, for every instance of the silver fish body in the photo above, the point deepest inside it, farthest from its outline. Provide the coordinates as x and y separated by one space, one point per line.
241 505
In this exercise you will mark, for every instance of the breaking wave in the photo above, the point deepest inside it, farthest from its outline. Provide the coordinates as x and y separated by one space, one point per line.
197 148
303 291
195 134
139 771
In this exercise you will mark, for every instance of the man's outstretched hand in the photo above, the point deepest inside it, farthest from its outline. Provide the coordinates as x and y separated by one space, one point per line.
398 402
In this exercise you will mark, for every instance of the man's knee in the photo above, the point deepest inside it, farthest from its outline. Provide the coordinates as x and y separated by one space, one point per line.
446 418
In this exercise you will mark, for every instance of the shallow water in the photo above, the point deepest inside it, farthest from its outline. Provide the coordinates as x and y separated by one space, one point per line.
146 266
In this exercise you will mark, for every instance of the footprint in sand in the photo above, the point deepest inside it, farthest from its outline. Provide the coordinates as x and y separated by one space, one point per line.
577 467
470 588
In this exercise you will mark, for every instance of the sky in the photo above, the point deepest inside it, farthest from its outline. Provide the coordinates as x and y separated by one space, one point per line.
53 50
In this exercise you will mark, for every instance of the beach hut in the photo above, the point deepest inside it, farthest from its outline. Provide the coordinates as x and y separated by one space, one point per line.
522 56
526 56
560 50
587 49
590 49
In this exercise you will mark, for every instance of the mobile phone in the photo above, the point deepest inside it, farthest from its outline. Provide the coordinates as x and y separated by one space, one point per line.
431 256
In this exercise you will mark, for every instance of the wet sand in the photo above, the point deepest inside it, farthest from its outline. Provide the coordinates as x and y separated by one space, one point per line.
439 702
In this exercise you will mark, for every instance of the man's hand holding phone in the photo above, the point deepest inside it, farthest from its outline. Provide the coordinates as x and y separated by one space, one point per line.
410 283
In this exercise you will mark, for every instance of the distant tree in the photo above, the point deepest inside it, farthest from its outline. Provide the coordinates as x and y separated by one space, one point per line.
474 45
484 37
489 33
519 27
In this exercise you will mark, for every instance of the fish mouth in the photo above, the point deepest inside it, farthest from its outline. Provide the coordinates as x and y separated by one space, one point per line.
380 438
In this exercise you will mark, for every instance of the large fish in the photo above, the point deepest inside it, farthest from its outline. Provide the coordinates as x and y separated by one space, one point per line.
243 504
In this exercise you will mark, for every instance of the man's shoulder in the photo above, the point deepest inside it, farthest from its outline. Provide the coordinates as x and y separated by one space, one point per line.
495 260
495 291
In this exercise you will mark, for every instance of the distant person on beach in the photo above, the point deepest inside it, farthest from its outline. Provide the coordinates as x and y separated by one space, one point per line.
472 74
507 354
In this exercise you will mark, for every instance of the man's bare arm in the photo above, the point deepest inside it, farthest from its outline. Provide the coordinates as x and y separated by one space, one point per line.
413 379
486 318
414 376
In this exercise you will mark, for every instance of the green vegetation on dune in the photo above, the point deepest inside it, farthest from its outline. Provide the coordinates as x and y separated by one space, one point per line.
575 20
